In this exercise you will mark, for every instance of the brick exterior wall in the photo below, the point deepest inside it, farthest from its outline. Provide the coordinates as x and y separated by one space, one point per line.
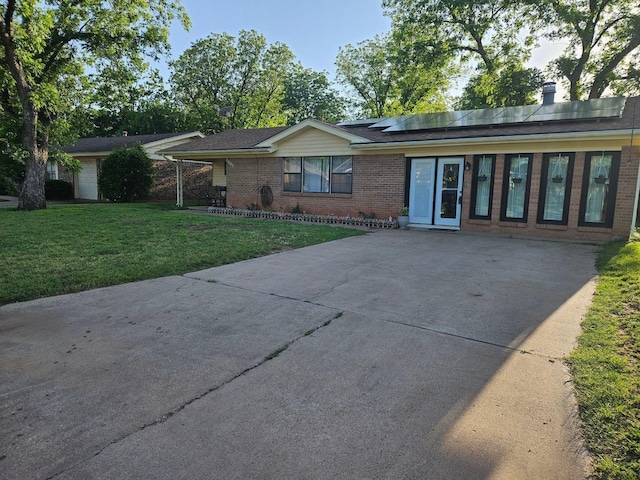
623 209
378 187
197 180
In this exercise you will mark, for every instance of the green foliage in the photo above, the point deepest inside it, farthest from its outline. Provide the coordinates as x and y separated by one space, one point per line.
308 94
46 48
6 187
605 365
126 174
603 45
69 248
511 85
228 83
389 77
58 190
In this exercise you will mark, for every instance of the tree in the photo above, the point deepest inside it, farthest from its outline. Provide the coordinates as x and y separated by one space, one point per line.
45 48
493 36
227 83
603 48
389 80
308 94
512 85
126 174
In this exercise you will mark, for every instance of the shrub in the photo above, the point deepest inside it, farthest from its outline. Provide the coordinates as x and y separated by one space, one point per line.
126 174
7 188
58 190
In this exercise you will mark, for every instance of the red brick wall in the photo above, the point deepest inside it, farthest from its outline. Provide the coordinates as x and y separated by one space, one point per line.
378 187
623 212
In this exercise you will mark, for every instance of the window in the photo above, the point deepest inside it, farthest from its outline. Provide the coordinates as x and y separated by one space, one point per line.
599 185
318 174
292 174
52 171
482 186
515 188
555 187
341 170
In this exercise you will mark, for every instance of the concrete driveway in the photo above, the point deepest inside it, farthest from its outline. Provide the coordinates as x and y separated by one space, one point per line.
399 354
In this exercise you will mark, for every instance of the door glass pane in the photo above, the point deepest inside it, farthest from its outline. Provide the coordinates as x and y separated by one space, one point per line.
517 186
449 199
598 189
556 188
422 184
483 186
316 174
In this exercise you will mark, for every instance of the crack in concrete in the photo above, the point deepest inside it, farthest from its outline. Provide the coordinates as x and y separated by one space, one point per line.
200 396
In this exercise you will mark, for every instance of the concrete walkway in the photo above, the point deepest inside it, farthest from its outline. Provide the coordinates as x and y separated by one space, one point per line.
399 354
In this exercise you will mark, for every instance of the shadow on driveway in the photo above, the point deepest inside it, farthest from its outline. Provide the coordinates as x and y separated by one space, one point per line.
397 354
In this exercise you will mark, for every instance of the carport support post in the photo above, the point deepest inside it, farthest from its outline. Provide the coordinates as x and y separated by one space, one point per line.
179 196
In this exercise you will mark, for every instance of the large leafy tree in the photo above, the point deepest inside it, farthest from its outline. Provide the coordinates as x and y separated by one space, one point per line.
46 48
388 78
309 94
493 37
603 48
226 82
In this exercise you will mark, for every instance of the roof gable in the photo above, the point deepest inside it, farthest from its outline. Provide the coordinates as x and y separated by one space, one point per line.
308 124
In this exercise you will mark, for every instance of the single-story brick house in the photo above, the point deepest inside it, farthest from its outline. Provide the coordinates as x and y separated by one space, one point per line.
563 170
91 151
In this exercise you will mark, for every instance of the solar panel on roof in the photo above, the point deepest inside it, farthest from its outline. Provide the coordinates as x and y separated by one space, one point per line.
577 110
354 123
388 122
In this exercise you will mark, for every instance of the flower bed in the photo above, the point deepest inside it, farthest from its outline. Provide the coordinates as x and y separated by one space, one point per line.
306 217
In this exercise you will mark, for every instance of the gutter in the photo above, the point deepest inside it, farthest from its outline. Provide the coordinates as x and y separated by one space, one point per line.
223 153
544 137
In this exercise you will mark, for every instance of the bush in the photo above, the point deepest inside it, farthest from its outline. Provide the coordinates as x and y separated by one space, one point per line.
7 188
126 175
58 190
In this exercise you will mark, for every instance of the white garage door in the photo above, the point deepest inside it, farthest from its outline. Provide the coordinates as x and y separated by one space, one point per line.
88 181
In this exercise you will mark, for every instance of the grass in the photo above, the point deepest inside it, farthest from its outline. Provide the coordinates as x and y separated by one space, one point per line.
70 248
606 365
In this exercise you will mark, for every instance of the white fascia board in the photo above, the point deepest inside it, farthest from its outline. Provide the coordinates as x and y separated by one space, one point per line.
613 135
311 123
214 154
183 136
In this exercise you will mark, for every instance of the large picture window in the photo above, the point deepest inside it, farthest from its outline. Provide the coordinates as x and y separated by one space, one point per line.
482 186
318 174
599 185
515 189
555 188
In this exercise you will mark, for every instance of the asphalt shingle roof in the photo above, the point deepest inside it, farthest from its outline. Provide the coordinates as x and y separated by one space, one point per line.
107 144
228 140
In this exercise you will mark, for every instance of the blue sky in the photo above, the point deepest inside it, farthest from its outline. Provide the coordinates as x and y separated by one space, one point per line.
313 30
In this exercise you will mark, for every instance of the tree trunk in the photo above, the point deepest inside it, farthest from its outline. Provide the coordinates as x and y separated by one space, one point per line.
32 193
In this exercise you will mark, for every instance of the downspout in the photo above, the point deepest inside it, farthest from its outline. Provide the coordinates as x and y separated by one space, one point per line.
633 234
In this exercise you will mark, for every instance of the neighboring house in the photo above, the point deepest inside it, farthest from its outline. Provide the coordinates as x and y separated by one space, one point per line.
91 151
561 170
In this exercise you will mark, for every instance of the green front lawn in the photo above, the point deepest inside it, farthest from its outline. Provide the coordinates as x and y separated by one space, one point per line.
69 248
606 365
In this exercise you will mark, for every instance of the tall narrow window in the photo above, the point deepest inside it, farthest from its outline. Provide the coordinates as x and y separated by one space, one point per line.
515 189
599 186
292 174
482 186
555 187
341 173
